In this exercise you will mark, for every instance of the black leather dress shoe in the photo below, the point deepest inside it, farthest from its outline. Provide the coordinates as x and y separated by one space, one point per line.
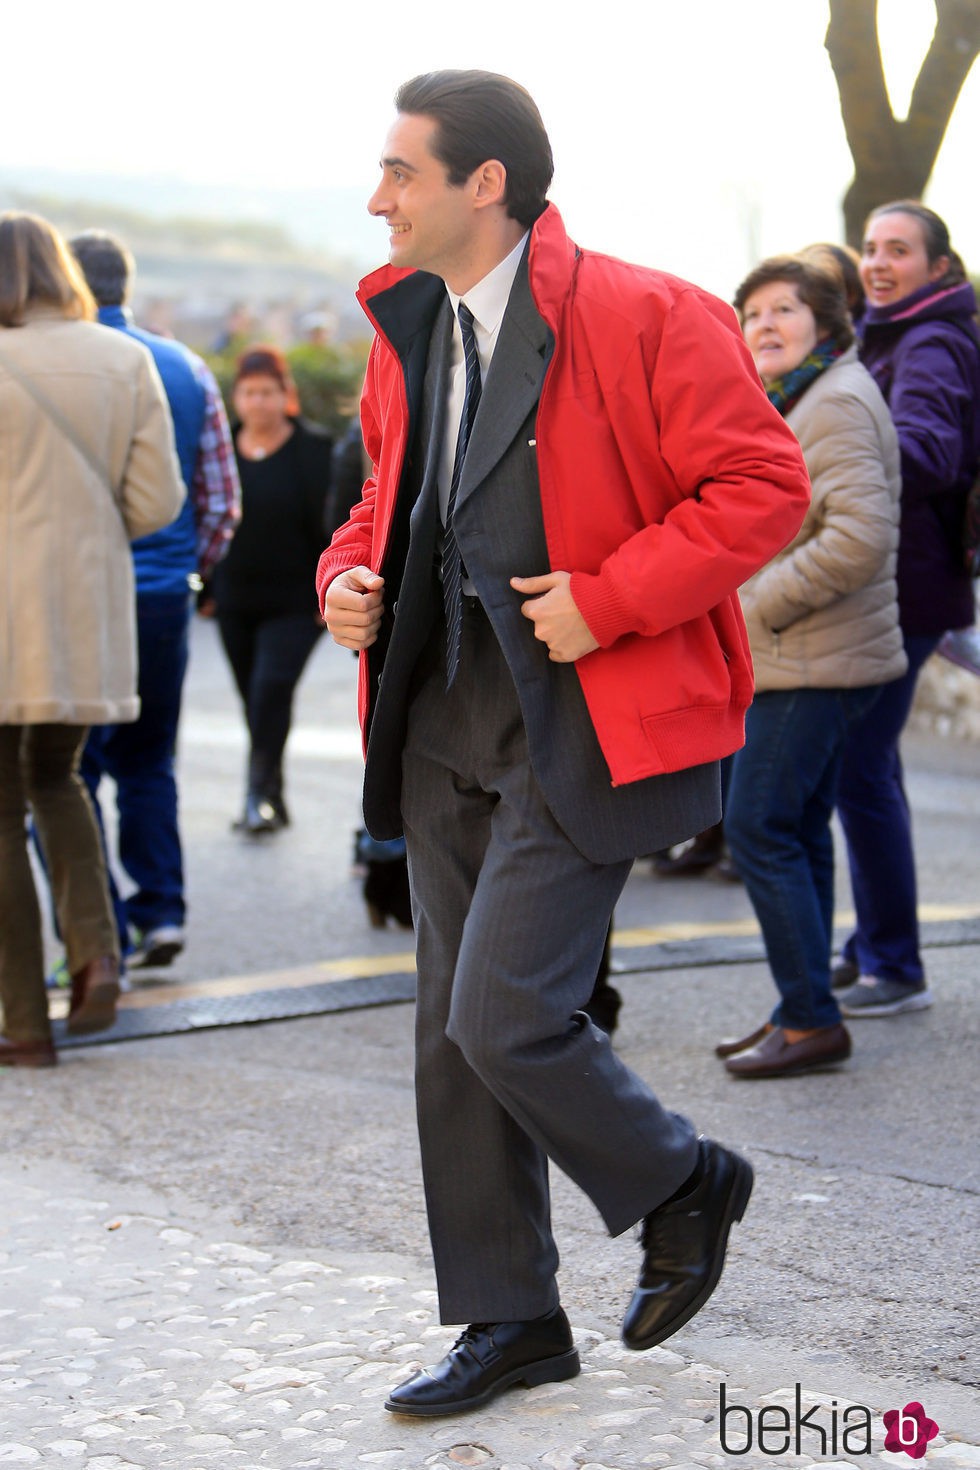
774 1056
486 1359
603 1006
703 853
684 1244
260 816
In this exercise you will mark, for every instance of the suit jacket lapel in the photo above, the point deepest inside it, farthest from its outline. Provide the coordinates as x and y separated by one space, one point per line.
432 420
513 385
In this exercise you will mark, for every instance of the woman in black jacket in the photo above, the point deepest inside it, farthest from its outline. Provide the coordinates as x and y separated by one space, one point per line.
264 589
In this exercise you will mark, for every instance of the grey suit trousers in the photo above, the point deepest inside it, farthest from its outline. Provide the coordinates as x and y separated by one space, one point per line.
510 921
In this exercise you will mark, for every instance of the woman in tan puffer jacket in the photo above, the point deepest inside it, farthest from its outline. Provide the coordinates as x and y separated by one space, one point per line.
87 464
823 626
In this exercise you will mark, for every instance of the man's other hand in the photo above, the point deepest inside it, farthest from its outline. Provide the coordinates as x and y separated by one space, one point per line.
557 621
353 606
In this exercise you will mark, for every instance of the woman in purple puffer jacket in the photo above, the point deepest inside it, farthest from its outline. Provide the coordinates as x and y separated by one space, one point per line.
920 343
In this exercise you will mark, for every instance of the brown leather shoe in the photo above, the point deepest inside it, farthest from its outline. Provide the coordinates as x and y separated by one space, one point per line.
774 1056
27 1053
94 993
729 1046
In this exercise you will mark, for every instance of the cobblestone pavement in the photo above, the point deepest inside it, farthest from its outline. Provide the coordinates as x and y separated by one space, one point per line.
132 1336
213 1249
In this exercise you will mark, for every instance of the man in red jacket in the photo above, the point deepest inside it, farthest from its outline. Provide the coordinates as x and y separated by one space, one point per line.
574 467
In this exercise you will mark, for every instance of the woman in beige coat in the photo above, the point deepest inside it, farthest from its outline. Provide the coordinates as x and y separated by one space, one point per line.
86 464
823 626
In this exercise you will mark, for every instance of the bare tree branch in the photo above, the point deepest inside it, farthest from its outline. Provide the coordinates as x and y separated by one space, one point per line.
852 44
955 46
894 159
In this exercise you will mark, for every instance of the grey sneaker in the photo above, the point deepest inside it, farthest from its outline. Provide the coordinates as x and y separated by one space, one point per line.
156 947
871 996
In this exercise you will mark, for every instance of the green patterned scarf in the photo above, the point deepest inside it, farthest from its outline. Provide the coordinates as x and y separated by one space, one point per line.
786 391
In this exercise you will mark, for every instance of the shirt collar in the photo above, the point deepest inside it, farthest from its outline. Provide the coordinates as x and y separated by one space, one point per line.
487 300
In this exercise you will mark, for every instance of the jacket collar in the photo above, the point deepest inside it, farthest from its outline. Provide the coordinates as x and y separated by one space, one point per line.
929 303
115 316
415 296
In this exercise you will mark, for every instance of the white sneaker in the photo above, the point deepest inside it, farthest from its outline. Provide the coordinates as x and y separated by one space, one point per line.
156 948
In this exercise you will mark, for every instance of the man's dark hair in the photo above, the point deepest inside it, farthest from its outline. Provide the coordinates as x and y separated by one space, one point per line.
106 264
822 292
480 116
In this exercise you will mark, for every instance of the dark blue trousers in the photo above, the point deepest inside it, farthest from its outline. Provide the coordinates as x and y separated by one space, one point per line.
874 813
140 759
777 821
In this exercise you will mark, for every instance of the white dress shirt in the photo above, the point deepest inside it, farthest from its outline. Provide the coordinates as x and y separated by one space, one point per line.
487 300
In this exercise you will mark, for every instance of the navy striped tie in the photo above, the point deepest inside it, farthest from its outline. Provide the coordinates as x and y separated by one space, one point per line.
452 563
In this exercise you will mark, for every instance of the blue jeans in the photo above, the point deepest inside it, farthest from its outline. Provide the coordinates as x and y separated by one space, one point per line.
777 822
139 758
874 813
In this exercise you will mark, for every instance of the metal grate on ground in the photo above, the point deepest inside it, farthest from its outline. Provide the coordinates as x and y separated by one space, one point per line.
157 1010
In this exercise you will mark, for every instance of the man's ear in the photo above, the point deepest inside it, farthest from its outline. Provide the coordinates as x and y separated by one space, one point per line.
491 183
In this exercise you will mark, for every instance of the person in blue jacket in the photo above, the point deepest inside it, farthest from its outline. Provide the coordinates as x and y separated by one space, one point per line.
170 567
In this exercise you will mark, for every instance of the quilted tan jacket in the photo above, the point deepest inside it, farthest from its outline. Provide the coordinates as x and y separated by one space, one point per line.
824 612
67 614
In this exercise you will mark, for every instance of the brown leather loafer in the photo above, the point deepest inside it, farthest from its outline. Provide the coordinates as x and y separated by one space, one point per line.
774 1056
729 1046
94 993
27 1053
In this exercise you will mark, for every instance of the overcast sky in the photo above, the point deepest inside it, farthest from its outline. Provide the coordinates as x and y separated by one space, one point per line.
693 136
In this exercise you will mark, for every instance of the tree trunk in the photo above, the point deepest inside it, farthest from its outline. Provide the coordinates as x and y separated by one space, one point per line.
894 158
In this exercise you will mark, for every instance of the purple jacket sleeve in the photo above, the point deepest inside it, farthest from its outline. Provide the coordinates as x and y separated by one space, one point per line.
931 398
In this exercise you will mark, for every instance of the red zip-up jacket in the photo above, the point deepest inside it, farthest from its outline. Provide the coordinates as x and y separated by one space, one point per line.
667 479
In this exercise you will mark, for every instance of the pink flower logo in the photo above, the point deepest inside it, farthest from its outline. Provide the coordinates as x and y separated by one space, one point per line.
909 1430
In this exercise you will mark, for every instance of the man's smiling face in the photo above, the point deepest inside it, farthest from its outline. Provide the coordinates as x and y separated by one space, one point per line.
432 223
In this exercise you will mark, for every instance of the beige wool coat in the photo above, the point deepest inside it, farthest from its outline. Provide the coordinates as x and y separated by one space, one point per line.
824 612
67 599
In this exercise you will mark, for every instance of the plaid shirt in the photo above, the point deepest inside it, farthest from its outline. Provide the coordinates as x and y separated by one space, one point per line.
216 489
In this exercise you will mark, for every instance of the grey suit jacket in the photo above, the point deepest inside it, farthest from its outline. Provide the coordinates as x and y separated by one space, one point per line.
500 533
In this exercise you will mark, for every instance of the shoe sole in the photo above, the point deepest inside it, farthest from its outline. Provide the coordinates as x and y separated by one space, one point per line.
97 1014
547 1370
921 1001
156 957
738 1201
